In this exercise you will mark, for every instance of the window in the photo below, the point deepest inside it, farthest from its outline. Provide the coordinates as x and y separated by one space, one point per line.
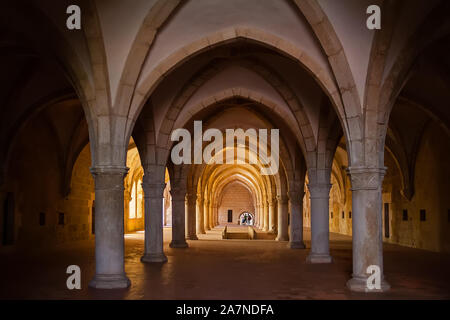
139 198
331 214
405 215
42 218
230 216
132 207
61 218
423 215
343 215
350 215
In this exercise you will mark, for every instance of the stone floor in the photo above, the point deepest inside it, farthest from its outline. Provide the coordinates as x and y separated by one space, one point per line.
223 269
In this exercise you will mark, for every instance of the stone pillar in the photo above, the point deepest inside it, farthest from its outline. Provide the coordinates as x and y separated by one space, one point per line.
272 217
211 215
191 233
296 223
320 238
265 226
178 218
109 222
282 218
206 214
366 226
153 194
126 209
216 215
199 214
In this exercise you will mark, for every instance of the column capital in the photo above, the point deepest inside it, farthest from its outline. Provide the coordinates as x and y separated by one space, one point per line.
191 197
178 194
271 201
365 178
283 199
153 190
295 197
109 177
109 170
319 191
199 199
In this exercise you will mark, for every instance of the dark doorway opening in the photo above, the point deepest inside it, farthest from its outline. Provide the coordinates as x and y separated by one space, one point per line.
230 216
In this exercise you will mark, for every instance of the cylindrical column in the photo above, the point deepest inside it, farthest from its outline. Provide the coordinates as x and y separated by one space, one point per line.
153 194
296 222
178 218
216 215
272 217
266 216
320 238
282 218
109 221
191 233
199 214
367 227
257 216
206 214
211 215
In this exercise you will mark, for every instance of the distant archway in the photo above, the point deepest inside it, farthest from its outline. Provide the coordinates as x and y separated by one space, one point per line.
246 219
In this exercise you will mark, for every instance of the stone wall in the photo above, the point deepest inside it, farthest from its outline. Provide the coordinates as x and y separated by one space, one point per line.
238 199
432 194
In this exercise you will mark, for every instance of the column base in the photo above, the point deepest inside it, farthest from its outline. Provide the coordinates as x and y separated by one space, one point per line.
271 231
154 257
178 244
110 281
282 238
297 245
314 258
359 284
192 237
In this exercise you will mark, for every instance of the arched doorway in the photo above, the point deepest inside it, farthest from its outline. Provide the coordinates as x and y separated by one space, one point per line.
246 219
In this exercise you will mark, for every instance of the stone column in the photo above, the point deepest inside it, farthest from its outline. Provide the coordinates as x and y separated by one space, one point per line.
206 214
366 226
153 194
296 223
216 215
282 218
109 222
191 233
178 218
199 214
265 226
272 217
320 238
211 215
